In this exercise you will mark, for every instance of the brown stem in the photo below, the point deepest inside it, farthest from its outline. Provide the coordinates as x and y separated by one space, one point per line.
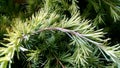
59 62
69 31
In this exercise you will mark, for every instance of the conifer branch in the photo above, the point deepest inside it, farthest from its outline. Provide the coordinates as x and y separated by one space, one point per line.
70 39
67 31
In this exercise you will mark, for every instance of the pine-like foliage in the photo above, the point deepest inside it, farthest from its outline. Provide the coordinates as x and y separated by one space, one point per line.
51 39
4 22
101 11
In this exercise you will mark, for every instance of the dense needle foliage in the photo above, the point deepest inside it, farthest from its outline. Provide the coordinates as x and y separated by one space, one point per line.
55 34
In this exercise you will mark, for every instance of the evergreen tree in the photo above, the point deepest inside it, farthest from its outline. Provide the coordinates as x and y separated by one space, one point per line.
57 35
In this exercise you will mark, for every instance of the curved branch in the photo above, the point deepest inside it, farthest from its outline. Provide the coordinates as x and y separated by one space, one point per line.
71 32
